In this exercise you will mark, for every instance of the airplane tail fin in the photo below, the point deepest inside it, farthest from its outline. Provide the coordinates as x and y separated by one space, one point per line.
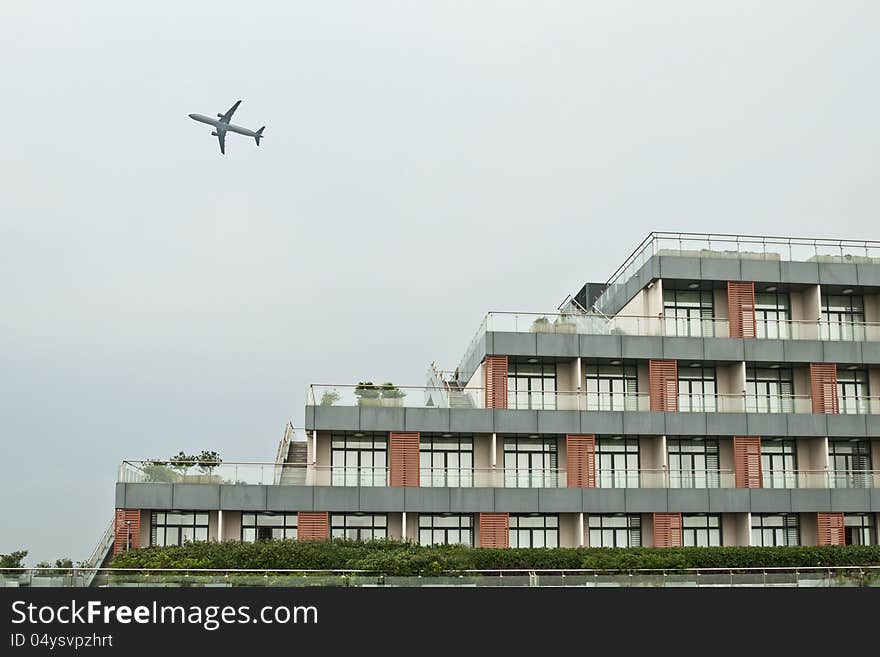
259 135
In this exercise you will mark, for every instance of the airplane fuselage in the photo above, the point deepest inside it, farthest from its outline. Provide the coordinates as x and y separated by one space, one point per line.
219 125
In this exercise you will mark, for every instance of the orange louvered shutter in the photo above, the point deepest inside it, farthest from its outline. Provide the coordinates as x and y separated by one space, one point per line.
127 530
580 460
667 530
741 309
495 381
747 461
663 385
831 529
494 530
313 526
823 387
403 459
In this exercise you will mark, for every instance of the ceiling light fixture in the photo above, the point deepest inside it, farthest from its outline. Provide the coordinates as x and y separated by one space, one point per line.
533 360
694 365
771 288
446 435
848 290
533 435
774 366
358 435
615 362
851 367
693 286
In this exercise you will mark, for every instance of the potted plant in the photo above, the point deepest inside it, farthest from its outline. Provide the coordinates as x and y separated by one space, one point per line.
564 324
367 393
542 325
392 395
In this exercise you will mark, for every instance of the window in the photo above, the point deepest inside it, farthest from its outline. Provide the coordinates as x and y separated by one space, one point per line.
177 527
858 528
615 530
359 460
696 389
778 463
689 312
446 529
533 530
530 462
853 394
769 390
693 463
772 315
358 526
267 526
612 388
843 317
531 386
701 530
771 530
850 463
617 462
446 461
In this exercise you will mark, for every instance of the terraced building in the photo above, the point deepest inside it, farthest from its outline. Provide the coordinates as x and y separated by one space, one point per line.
716 390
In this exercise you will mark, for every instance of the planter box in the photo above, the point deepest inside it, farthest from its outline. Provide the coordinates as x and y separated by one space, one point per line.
390 402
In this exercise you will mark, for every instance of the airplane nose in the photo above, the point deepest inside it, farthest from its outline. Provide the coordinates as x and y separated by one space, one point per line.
192 116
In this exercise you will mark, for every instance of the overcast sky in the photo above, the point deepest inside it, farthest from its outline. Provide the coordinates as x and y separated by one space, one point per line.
423 163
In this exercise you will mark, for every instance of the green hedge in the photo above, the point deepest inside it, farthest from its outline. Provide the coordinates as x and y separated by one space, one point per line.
398 558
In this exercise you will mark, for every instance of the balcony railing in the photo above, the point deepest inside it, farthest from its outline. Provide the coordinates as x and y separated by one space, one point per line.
561 400
700 327
312 475
750 247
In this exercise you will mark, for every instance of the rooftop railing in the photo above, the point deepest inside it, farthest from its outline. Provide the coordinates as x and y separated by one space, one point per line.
700 327
755 247
562 400
500 477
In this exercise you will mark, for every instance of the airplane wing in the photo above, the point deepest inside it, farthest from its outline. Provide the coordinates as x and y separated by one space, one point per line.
226 117
221 137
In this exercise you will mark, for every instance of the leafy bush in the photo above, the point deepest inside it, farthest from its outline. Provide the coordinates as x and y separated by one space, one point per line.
404 558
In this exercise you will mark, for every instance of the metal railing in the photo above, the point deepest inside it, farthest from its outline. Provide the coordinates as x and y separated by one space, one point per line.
755 247
661 326
565 400
809 576
501 477
323 396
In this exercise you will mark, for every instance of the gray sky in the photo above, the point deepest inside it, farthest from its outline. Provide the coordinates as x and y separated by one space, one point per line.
423 162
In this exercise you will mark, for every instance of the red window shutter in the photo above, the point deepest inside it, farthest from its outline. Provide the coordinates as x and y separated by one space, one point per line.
127 530
831 529
741 309
663 385
495 381
494 530
313 526
580 460
747 461
823 387
667 530
403 459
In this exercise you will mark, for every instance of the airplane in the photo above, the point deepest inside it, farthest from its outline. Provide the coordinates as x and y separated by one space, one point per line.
222 125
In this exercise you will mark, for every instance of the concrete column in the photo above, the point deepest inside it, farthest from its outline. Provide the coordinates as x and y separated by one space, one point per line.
220 525
580 530
493 449
403 535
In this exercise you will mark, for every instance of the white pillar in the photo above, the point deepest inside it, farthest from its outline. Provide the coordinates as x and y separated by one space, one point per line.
579 386
403 526
581 542
494 449
219 525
